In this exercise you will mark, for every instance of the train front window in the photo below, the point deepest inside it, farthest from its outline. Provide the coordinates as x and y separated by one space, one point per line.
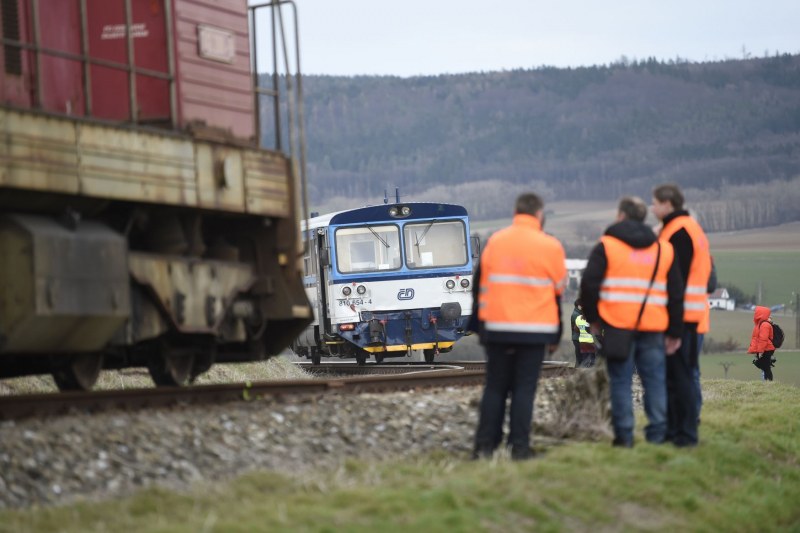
367 248
435 244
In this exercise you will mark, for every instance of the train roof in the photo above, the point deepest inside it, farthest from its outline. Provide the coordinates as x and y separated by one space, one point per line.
419 210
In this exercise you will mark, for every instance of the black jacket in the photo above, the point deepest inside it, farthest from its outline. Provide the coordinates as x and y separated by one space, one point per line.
682 244
637 235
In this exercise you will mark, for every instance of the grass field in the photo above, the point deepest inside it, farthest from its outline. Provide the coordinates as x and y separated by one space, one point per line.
777 273
738 326
786 369
744 477
732 327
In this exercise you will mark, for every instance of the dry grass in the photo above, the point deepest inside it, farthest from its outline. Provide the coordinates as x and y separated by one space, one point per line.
580 408
784 237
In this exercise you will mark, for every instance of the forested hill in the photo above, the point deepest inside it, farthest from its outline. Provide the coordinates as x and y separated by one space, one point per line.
581 133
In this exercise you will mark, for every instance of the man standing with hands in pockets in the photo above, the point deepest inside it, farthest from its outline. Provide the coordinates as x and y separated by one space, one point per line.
632 285
694 257
517 312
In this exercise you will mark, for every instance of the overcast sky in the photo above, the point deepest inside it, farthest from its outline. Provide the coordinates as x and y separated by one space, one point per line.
423 37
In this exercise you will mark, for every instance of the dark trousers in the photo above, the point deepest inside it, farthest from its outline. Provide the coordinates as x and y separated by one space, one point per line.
510 370
583 359
765 364
681 391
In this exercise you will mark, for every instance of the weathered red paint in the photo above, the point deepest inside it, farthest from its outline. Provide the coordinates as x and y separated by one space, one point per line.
215 92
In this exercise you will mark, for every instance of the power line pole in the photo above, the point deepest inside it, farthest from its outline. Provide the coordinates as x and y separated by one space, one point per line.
797 319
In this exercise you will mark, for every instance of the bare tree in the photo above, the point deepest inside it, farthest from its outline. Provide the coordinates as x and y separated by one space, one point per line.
726 365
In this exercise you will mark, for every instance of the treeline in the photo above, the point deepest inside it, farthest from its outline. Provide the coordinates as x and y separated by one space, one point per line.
739 207
584 133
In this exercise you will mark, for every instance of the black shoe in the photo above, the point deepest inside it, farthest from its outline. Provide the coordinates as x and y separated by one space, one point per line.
522 454
622 443
482 453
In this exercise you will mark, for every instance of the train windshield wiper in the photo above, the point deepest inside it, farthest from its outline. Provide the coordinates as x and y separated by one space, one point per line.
386 244
427 228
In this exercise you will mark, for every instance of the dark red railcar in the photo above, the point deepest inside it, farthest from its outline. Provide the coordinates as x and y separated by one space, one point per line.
141 220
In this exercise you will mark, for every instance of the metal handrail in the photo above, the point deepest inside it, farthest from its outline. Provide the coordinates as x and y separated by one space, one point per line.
294 97
86 59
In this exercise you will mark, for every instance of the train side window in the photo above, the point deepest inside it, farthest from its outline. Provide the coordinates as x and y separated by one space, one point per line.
314 257
310 256
308 261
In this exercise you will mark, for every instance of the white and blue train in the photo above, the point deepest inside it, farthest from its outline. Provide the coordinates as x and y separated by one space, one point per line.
387 279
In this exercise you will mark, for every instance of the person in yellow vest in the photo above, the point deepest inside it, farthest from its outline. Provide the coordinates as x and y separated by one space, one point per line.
582 339
517 314
632 282
693 255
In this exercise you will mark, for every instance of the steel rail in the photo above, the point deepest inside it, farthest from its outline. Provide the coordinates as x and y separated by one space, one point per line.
58 404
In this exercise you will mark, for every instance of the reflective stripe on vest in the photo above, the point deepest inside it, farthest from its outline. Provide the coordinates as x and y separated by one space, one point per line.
626 282
518 327
637 298
695 304
521 280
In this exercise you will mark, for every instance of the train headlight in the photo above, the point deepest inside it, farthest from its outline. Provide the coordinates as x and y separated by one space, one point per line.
450 284
464 282
346 291
399 211
361 289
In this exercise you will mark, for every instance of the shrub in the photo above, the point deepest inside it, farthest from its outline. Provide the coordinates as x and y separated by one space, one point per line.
710 345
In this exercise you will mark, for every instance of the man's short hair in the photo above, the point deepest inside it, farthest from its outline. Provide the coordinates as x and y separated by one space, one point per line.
633 208
528 204
669 192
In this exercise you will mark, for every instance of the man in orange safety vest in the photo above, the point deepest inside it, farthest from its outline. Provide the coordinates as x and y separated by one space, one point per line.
517 312
694 257
632 283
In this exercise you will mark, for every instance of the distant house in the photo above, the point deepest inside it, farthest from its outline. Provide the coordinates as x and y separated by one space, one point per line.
721 299
575 268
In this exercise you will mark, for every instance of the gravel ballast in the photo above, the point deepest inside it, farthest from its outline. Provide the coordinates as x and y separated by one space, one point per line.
110 455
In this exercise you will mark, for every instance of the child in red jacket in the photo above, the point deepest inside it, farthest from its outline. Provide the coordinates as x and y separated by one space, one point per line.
761 341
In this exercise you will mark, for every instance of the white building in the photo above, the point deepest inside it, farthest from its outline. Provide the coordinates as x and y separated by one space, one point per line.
720 299
575 268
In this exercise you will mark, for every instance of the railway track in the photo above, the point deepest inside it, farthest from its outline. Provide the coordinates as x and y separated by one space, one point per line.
338 378
400 367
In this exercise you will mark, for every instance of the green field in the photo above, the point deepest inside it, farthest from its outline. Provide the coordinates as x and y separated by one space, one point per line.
777 272
733 328
738 326
786 369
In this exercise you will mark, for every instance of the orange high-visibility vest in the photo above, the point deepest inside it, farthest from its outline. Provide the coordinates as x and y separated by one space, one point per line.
625 283
695 300
522 271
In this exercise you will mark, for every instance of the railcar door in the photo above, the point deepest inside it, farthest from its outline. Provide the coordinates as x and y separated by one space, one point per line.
323 268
